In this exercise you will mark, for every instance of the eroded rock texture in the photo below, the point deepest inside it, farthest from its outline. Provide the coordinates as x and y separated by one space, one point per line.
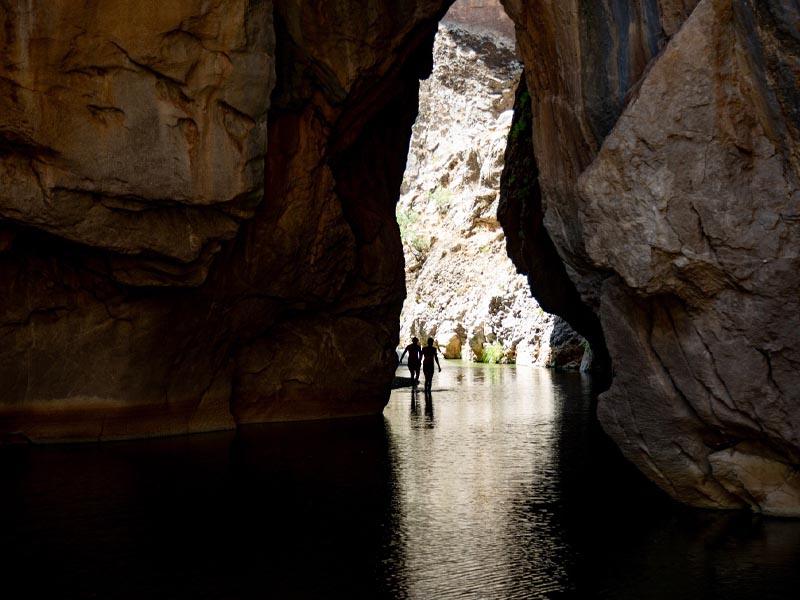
163 272
529 244
665 135
136 128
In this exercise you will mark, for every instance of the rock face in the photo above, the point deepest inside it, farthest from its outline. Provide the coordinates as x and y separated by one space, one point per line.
462 289
528 243
481 16
668 168
136 130
197 226
162 271
710 197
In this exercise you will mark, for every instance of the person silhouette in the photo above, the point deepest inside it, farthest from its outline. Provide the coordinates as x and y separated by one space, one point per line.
414 350
429 354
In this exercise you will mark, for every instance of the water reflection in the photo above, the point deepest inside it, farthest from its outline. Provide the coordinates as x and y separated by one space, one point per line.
517 493
466 486
498 485
421 417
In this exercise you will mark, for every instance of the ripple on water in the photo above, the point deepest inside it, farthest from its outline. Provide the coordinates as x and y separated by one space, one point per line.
500 487
476 475
507 488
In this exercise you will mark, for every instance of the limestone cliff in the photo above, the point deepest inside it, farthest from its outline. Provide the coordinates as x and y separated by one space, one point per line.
462 289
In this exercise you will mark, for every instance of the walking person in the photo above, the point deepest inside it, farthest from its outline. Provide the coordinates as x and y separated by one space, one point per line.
414 358
429 354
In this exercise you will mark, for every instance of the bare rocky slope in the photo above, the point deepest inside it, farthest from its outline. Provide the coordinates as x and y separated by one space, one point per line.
197 217
462 288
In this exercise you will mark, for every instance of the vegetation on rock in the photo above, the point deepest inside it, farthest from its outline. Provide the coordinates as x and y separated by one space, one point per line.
462 288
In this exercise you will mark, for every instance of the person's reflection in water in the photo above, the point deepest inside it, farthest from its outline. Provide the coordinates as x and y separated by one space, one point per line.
414 402
416 413
429 408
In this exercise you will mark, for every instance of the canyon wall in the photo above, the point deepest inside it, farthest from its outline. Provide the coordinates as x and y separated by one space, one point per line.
197 217
665 138
197 211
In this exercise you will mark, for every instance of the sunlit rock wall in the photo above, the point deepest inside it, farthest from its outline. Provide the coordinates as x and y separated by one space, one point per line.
197 210
665 136
481 16
462 289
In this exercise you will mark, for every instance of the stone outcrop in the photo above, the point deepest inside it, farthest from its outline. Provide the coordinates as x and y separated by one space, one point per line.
197 217
528 243
669 184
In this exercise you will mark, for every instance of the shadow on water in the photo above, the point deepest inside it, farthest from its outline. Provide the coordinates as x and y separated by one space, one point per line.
282 511
629 540
499 484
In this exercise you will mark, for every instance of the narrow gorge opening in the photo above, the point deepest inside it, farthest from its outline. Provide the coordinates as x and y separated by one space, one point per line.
204 241
462 288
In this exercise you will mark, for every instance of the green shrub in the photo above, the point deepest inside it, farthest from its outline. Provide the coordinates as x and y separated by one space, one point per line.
406 219
492 354
420 244
443 199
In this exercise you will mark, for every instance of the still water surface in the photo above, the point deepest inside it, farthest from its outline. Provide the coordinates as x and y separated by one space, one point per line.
501 486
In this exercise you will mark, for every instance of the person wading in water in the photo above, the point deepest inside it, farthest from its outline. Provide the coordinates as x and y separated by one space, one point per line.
414 358
429 354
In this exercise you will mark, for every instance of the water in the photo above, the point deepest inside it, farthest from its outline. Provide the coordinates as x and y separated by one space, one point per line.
501 487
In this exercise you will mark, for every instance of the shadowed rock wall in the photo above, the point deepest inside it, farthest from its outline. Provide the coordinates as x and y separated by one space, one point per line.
528 242
665 136
163 271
